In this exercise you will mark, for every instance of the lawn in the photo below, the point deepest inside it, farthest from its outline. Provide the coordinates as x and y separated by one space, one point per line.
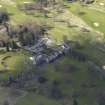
18 16
80 76
90 16
15 62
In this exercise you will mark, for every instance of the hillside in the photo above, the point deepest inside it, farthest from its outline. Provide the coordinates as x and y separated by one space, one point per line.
52 52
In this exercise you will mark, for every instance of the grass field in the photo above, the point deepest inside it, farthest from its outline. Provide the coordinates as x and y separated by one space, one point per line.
90 16
15 63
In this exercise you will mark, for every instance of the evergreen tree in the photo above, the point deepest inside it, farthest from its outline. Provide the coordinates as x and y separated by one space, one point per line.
7 47
75 102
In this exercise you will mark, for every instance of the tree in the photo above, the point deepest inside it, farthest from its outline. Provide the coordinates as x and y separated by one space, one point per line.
101 98
87 1
30 33
56 92
75 102
13 45
7 47
43 3
6 102
6 25
4 17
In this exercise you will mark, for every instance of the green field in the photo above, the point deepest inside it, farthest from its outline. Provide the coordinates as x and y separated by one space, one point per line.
90 16
15 62
92 45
